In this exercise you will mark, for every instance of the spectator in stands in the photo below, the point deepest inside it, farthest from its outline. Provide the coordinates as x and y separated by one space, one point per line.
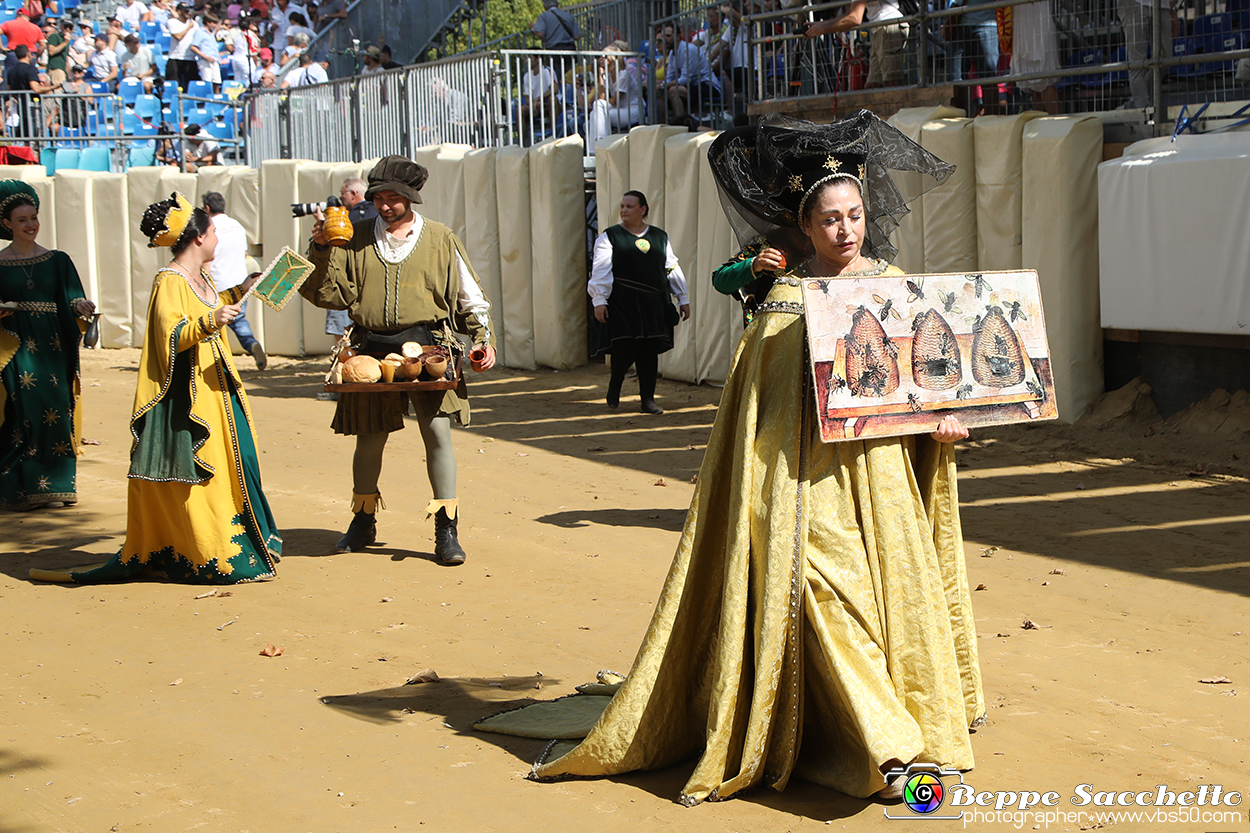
387 61
556 28
58 40
264 65
618 104
885 62
75 98
80 49
735 62
20 32
24 76
180 66
131 13
299 26
23 112
539 99
34 9
202 151
1136 16
161 12
712 42
268 80
688 80
242 54
330 11
309 72
278 24
373 60
137 62
103 62
207 52
116 35
296 45
974 42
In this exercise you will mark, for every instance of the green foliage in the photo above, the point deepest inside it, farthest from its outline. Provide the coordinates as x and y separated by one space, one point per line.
501 18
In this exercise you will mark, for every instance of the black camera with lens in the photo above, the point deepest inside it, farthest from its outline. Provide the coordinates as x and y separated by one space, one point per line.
303 209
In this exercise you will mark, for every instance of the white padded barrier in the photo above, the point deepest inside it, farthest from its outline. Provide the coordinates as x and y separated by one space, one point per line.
681 186
516 302
999 157
716 318
558 235
1060 240
481 234
909 238
950 212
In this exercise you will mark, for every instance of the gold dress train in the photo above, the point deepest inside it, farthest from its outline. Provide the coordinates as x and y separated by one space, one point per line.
816 620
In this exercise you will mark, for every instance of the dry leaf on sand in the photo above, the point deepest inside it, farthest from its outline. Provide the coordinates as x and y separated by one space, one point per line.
272 650
429 675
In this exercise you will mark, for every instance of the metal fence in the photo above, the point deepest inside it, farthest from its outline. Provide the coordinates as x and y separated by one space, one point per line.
492 99
1060 56
103 131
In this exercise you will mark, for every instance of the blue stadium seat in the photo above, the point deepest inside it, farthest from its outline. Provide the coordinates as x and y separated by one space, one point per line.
198 116
67 158
200 89
141 157
1080 58
130 122
162 40
219 130
47 158
148 107
95 159
148 30
129 89
1184 47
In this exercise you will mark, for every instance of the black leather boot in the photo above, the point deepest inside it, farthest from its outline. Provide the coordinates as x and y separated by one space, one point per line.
447 548
362 532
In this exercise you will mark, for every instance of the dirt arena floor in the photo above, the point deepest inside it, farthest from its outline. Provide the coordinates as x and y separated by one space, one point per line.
149 706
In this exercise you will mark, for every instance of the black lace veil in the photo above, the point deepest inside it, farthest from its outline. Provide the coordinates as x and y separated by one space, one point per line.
758 170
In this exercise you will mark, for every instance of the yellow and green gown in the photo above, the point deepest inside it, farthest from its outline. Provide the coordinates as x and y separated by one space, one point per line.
195 510
816 619
40 390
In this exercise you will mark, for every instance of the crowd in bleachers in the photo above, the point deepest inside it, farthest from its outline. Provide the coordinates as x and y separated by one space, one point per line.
78 72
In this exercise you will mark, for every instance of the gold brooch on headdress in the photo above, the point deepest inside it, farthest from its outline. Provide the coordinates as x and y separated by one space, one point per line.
833 165
796 182
175 220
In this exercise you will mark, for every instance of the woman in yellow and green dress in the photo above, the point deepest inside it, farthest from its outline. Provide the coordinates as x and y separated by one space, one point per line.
44 315
196 512
816 620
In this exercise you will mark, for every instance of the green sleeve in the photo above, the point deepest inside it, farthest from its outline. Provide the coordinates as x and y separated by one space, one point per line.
732 276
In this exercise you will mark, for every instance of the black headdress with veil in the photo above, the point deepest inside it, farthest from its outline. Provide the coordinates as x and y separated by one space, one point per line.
765 174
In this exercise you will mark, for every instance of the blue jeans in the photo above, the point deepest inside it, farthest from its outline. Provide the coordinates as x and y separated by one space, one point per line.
242 329
337 321
977 42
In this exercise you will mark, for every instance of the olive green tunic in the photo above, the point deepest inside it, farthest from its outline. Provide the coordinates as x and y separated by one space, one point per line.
386 298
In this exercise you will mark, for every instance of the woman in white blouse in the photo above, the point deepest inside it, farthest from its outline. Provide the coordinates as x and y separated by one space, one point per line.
632 276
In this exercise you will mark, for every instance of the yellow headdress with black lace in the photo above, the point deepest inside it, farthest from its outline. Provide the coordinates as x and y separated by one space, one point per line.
165 221
10 190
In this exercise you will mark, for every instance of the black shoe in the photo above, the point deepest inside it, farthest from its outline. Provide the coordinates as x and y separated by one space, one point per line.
446 548
614 395
649 407
362 532
258 355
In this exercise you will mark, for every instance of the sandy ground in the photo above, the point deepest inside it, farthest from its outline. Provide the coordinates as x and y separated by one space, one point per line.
143 707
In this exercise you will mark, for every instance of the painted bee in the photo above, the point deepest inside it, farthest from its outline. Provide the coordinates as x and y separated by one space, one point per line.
871 382
964 392
1036 390
913 402
979 284
890 346
887 308
948 302
836 383
1014 311
916 288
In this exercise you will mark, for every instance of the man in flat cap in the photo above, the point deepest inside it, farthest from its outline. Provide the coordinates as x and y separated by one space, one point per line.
402 278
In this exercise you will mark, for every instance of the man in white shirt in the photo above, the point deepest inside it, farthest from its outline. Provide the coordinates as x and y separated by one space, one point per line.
264 65
136 62
180 64
279 22
539 96
103 62
228 269
207 52
309 72
131 13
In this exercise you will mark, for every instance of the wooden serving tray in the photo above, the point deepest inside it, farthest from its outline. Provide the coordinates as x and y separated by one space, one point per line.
389 387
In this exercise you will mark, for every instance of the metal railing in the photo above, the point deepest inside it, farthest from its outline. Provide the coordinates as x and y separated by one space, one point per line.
482 99
1079 59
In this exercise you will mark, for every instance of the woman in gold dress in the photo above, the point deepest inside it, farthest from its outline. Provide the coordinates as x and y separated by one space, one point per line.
195 509
816 619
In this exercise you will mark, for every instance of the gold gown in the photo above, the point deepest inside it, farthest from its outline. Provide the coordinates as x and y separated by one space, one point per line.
816 620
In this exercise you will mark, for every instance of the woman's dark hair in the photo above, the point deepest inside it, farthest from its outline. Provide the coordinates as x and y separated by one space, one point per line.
20 199
153 223
642 200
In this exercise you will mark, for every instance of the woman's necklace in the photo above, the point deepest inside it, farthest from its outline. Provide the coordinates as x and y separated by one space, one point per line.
200 291
30 275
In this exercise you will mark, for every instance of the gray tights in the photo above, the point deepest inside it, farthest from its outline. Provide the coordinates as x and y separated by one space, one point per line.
440 459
